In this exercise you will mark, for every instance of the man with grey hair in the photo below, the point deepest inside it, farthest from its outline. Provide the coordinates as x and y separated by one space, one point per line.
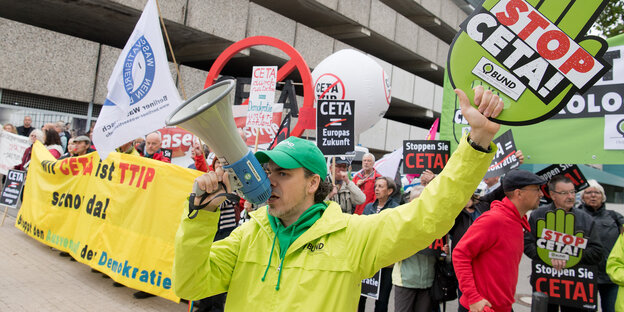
365 180
153 141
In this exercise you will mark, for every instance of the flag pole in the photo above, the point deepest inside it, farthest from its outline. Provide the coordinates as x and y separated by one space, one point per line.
162 22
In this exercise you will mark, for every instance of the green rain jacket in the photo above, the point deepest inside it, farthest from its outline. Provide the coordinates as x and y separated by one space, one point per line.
323 268
615 270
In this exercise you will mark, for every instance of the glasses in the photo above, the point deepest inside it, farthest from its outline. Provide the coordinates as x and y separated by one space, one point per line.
592 193
572 192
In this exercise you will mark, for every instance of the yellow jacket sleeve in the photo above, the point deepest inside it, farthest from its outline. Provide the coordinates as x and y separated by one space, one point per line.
395 234
198 273
615 262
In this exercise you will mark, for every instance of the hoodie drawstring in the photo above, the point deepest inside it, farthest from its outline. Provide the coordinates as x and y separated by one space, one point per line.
279 273
270 257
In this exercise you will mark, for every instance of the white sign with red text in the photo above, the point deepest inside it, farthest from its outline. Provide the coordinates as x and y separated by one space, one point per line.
261 96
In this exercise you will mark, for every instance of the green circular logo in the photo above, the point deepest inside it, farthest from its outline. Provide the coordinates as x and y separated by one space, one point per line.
488 68
247 176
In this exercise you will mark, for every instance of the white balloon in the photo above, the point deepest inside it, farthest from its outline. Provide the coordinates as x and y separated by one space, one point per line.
352 75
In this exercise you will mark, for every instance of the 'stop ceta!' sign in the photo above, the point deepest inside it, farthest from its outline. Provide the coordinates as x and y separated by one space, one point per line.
535 58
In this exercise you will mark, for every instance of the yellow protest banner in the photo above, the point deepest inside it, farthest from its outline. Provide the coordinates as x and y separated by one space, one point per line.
119 216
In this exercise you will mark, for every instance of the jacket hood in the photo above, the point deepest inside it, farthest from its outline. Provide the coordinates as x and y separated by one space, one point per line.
507 208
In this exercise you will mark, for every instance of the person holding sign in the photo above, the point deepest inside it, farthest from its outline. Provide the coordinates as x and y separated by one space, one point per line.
302 253
487 258
558 252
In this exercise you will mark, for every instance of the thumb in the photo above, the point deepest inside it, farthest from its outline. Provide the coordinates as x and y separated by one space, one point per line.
464 102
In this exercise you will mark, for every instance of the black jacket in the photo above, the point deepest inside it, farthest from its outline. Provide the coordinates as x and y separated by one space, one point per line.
608 224
593 253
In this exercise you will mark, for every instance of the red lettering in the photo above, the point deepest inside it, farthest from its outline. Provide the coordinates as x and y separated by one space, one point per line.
439 163
568 239
73 166
419 161
438 244
536 21
548 234
140 176
538 284
581 61
123 167
557 236
149 177
567 284
579 241
513 8
408 163
87 165
579 292
553 288
563 44
134 168
429 162
569 176
62 166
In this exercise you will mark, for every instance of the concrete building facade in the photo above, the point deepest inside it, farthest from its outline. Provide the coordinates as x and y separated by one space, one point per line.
56 56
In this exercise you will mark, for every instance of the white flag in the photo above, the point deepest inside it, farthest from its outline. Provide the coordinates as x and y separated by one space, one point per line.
141 92
388 165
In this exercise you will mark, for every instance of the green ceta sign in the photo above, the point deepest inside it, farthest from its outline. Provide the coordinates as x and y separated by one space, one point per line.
534 54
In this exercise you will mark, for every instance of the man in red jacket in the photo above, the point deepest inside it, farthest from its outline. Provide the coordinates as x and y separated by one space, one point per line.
153 141
486 259
365 180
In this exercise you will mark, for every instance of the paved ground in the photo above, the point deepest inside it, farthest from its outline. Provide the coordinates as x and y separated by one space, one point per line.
35 278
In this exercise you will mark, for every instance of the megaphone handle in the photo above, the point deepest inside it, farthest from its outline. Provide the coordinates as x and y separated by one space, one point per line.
197 190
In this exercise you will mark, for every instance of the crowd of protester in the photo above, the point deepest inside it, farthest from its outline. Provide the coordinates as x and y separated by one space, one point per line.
367 192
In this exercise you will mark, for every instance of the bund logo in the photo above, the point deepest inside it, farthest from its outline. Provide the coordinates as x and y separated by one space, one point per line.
313 247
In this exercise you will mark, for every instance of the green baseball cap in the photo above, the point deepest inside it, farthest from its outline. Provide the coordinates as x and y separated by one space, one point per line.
296 153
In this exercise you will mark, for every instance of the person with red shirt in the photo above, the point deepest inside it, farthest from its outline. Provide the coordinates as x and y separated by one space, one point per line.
365 180
487 258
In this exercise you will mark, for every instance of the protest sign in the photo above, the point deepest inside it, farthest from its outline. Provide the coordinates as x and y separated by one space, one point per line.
570 171
335 121
535 58
12 147
573 287
118 216
370 286
261 96
266 133
436 248
419 155
12 188
132 107
585 131
505 158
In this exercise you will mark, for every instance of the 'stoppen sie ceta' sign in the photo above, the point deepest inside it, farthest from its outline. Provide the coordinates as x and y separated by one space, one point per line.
534 57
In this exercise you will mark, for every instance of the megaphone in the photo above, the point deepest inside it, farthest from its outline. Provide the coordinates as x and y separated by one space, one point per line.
208 115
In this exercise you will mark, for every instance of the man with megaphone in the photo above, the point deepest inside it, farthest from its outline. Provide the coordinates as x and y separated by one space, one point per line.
300 253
